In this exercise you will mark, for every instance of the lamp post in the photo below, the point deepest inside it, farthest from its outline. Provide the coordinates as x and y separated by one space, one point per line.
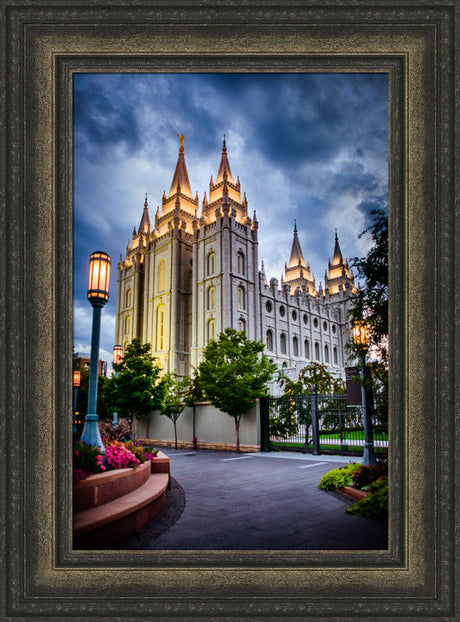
117 356
76 384
98 294
360 341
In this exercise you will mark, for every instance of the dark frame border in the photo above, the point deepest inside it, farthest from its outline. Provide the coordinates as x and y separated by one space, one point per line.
42 578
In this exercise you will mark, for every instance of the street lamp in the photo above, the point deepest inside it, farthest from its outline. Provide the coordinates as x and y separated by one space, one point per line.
76 384
117 357
361 346
98 294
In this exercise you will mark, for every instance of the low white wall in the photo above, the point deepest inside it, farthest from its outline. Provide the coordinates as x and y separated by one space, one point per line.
212 426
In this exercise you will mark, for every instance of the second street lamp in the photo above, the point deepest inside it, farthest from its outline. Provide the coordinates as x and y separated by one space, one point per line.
98 294
76 384
361 346
117 357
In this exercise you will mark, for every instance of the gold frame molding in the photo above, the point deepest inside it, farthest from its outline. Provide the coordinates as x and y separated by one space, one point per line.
43 45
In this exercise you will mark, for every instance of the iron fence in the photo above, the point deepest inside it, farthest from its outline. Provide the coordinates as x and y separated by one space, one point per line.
316 423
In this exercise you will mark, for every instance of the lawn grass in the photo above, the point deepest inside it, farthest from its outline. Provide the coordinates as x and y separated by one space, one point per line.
324 448
355 435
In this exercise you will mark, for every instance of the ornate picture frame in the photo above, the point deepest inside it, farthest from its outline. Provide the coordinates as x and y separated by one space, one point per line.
43 46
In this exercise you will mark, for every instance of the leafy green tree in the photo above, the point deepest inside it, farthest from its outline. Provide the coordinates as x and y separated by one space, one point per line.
195 391
103 400
313 378
371 303
136 390
234 373
175 398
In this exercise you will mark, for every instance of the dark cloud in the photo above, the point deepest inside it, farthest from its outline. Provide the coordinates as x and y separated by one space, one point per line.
311 147
103 117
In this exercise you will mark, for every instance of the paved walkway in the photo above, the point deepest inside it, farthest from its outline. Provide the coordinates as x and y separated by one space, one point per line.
265 501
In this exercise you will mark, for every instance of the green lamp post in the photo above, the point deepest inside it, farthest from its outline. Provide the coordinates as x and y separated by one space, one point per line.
98 294
117 358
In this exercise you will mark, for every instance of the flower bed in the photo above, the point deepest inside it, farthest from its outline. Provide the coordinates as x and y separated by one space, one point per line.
369 483
88 459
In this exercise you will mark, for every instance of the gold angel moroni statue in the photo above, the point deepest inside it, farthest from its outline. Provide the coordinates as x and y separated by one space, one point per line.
181 138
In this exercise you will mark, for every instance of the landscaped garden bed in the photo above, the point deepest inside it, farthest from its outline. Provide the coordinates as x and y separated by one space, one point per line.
88 460
368 484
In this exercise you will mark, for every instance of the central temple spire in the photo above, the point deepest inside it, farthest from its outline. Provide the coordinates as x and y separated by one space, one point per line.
224 166
296 252
180 174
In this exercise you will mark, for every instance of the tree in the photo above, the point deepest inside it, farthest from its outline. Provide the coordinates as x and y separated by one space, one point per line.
313 378
137 389
234 373
175 398
371 303
103 403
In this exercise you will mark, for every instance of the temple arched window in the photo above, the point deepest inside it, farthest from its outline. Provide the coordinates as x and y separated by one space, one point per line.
210 263
326 354
335 355
241 297
295 346
317 356
160 341
269 340
161 275
211 329
307 348
128 298
241 263
283 343
210 298
241 325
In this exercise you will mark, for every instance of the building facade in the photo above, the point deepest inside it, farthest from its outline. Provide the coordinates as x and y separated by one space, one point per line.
196 272
82 362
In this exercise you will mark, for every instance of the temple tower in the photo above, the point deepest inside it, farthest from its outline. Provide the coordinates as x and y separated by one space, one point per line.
225 263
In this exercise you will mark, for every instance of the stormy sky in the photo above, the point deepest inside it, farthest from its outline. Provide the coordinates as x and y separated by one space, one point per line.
310 148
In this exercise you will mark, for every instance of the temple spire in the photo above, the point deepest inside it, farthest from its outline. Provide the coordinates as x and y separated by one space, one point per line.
296 251
338 277
180 174
144 226
224 166
337 258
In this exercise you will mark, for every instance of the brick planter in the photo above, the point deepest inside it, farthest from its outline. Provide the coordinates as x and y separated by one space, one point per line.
110 506
104 487
352 492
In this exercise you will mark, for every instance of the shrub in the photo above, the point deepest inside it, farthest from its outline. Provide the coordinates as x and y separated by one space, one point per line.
375 505
337 478
141 453
120 433
364 475
150 452
87 460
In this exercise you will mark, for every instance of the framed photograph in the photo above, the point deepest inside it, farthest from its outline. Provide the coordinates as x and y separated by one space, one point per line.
305 161
45 47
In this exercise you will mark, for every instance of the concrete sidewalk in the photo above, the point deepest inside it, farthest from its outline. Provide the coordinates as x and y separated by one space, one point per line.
261 501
